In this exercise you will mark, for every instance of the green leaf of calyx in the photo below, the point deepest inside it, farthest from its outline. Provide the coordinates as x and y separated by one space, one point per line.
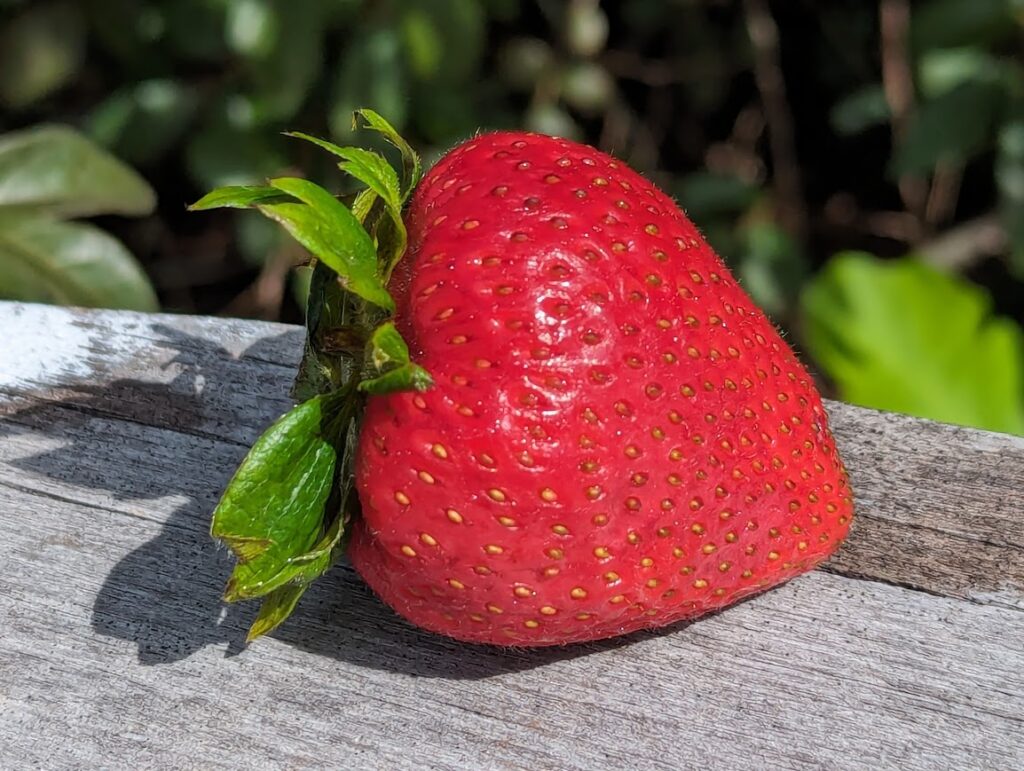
410 159
388 355
275 608
322 224
276 507
326 364
367 166
376 173
239 197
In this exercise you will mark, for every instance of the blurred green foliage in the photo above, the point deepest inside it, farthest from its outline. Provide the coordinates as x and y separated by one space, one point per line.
48 175
895 129
901 336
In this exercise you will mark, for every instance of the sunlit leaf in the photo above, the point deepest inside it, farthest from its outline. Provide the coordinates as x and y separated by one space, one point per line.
239 197
410 158
331 232
904 337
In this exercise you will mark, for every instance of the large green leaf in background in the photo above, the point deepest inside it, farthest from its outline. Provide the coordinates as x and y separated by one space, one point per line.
57 170
69 263
47 174
899 335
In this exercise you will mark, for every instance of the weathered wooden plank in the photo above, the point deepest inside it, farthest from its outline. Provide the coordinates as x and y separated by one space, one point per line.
826 671
117 433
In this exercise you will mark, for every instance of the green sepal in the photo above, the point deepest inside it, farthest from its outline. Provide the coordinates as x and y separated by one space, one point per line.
409 377
387 349
368 167
380 179
239 197
275 608
323 225
286 513
388 355
273 510
413 167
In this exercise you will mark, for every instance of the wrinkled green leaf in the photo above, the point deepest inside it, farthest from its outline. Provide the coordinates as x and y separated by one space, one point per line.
41 49
56 170
328 308
332 233
275 506
901 336
69 263
387 348
951 128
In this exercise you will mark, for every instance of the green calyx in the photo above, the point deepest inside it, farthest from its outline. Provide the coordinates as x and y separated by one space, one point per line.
285 514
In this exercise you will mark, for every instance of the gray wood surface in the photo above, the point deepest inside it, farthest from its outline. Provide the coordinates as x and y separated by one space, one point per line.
118 432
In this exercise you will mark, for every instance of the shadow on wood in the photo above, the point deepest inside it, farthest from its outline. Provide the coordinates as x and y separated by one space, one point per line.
165 595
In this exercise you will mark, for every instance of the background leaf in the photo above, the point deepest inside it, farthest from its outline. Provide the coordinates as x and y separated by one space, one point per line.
54 169
40 51
70 263
951 128
901 336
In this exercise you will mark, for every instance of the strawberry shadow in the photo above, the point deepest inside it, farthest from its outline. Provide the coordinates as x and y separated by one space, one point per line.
164 594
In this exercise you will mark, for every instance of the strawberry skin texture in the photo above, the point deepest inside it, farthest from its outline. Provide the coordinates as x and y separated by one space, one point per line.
617 439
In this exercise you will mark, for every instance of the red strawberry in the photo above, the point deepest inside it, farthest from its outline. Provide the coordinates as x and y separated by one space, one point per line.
617 437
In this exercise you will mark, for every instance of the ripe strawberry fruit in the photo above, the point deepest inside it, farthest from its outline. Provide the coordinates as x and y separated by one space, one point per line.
616 437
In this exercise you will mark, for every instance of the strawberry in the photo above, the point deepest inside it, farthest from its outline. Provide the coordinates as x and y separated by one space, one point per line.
578 424
617 438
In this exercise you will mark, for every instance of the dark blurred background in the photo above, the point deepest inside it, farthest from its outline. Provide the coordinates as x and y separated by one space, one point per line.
860 165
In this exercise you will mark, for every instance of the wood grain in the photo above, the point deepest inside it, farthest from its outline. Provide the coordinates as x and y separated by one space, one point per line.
118 432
